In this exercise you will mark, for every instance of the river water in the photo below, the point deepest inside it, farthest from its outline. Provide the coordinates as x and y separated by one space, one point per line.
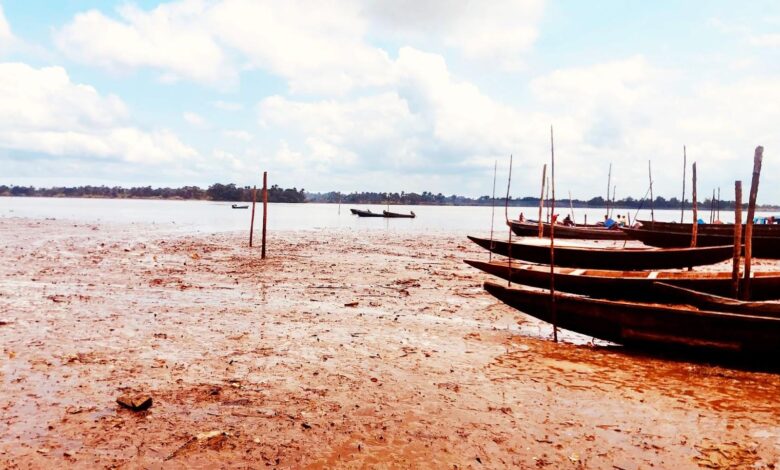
212 217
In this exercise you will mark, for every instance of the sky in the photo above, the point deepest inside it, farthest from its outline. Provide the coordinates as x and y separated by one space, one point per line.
391 95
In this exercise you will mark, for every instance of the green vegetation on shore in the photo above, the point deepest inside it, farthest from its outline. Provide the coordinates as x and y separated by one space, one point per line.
231 192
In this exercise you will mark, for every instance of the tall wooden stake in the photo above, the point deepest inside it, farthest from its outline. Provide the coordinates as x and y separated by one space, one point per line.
712 206
614 192
541 201
252 221
652 201
609 185
506 214
695 225
493 213
757 157
682 202
553 310
717 217
548 200
265 211
737 239
571 208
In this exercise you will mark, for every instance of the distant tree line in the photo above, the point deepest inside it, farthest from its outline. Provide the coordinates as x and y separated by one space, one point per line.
215 192
428 198
231 192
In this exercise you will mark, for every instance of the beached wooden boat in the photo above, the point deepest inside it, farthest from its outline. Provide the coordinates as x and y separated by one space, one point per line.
396 215
582 232
726 229
620 259
366 213
354 211
628 285
709 301
636 323
763 246
240 206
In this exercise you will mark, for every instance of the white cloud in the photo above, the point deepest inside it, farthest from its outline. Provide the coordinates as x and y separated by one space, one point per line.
318 47
171 38
42 110
195 120
237 134
227 105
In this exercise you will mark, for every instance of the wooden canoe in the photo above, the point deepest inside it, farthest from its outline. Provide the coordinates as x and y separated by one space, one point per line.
637 323
628 285
708 301
763 246
396 215
726 229
584 232
619 259
366 213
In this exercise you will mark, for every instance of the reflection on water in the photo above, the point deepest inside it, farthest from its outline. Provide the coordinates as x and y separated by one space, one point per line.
207 216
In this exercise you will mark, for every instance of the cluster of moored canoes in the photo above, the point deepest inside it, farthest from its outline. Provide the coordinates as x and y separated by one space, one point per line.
386 214
642 296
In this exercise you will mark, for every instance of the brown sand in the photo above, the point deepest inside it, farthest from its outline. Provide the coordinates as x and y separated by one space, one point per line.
342 350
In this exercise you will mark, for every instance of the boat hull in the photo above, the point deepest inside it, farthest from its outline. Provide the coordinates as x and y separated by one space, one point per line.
626 259
763 246
634 285
635 323
588 232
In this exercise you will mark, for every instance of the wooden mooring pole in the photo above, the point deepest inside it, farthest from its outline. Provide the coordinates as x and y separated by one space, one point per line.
265 210
652 201
757 158
553 310
252 221
541 201
506 216
695 225
682 202
737 239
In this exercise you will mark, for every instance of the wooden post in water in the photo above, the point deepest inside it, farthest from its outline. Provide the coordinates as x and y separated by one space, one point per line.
652 202
695 225
541 201
757 157
548 200
553 310
717 217
493 213
609 185
682 202
737 238
252 221
265 211
506 215
571 208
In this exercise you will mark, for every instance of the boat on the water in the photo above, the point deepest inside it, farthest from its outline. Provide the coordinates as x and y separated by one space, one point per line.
764 246
647 324
725 229
708 301
240 206
582 232
628 285
621 259
396 215
366 213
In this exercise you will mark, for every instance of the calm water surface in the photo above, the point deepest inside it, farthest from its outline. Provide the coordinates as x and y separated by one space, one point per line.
211 217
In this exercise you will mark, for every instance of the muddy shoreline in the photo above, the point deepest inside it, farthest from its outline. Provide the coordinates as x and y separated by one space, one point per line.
342 350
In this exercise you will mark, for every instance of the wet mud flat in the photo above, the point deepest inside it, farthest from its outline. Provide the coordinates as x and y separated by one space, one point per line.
342 350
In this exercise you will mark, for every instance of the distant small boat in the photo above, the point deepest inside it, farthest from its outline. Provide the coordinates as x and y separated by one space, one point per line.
365 213
242 206
396 215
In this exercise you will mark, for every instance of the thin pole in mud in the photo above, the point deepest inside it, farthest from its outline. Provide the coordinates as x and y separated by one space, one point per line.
493 213
717 216
758 156
541 201
265 210
553 310
737 238
506 215
339 202
609 185
682 202
252 222
695 225
652 202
